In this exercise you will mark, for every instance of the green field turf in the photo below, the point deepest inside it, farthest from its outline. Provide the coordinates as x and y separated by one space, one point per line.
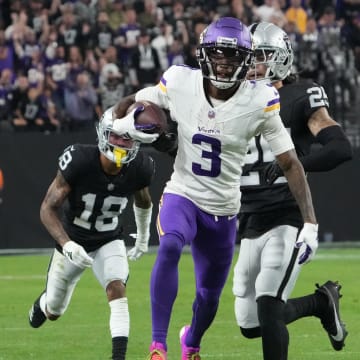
83 333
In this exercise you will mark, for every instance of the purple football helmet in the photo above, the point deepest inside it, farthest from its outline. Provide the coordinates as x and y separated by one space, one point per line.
225 52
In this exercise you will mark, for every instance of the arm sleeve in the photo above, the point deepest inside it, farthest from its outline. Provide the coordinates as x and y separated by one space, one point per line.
335 150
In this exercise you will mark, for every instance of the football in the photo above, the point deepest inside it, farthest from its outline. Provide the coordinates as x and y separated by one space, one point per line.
152 119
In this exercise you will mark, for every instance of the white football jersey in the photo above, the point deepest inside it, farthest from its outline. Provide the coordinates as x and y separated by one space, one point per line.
213 140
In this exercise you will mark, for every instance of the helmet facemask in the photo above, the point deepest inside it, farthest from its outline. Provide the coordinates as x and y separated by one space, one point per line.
224 66
225 52
276 60
119 154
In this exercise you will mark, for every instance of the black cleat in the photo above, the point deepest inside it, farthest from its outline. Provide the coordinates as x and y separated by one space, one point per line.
331 318
36 316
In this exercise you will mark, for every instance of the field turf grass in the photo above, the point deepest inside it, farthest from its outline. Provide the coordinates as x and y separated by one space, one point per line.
83 332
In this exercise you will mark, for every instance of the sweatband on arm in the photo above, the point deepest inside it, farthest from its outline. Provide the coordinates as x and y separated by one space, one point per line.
142 220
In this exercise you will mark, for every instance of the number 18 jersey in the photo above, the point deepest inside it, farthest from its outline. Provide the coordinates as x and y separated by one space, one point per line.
97 200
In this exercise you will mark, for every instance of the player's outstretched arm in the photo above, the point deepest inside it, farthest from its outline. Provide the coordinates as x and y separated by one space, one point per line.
294 172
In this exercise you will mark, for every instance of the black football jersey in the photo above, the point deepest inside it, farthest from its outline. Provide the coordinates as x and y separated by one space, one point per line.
298 101
92 213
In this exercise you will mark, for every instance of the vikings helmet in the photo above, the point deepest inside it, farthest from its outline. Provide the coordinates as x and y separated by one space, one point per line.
115 153
225 43
272 48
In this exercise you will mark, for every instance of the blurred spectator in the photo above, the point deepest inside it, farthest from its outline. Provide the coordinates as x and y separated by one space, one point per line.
31 113
80 103
69 30
127 35
56 73
85 11
115 11
267 11
222 7
110 56
308 53
18 25
86 38
21 87
53 121
111 86
151 16
295 37
6 99
25 47
36 70
338 63
50 43
161 43
176 54
243 10
347 9
145 64
178 22
6 53
296 14
76 63
37 17
103 34
318 6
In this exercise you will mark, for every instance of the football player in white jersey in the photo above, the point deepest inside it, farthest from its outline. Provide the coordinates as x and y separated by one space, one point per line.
92 187
269 219
217 112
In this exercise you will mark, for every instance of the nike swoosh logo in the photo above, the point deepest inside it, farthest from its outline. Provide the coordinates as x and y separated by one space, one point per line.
340 334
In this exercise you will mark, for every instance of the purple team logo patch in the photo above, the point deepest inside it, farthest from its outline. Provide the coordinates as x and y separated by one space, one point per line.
211 114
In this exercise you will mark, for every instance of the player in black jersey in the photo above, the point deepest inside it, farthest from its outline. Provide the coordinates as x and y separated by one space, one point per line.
269 220
91 189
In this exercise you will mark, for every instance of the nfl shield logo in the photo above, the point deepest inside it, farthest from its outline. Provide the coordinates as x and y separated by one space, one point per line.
211 114
110 187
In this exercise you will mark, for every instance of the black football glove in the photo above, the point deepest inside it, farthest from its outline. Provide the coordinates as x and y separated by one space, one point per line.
166 142
271 172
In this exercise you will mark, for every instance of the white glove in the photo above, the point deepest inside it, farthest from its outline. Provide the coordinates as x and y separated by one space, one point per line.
126 126
135 253
309 236
77 255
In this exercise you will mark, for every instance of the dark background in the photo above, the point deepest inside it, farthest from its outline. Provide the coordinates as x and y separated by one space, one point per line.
29 163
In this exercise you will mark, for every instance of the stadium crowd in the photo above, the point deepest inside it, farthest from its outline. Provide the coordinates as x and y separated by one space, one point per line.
62 63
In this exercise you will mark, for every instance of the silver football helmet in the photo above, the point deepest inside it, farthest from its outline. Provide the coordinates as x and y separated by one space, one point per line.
115 153
273 49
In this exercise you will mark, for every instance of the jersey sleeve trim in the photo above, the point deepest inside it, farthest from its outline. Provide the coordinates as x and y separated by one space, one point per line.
162 85
272 105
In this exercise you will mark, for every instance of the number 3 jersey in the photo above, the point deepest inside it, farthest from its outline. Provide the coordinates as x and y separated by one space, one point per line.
299 100
92 213
213 135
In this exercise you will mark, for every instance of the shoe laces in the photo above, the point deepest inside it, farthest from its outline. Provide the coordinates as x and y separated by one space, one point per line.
193 356
156 355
